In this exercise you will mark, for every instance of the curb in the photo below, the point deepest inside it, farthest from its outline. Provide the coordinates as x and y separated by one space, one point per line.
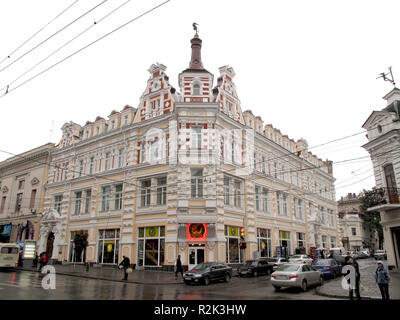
323 294
106 279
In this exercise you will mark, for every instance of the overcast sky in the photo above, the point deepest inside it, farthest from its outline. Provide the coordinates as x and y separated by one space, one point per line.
308 68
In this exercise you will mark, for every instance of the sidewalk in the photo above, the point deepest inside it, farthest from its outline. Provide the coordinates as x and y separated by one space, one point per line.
113 274
333 288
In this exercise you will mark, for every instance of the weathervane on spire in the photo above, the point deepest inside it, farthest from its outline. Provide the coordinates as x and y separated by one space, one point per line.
195 27
383 75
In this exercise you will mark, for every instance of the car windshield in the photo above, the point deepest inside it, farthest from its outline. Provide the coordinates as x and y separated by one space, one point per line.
288 267
272 260
379 251
251 263
322 262
296 257
202 266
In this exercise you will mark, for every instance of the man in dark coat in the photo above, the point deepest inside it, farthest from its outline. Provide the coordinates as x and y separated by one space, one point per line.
350 261
382 279
178 267
125 263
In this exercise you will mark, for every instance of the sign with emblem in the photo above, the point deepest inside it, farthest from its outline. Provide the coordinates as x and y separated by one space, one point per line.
196 231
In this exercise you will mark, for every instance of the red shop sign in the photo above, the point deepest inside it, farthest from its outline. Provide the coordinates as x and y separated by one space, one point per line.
196 231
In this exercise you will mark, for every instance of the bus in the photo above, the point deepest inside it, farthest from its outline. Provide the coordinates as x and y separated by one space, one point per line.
9 254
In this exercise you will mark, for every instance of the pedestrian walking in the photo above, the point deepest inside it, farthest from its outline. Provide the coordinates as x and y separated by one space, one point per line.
350 261
382 279
125 263
43 260
35 261
20 260
178 269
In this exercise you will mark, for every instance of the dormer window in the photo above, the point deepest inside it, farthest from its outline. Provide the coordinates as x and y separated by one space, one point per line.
379 127
196 89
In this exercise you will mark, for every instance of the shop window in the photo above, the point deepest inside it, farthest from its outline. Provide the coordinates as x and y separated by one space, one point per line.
77 253
108 246
301 240
232 236
264 242
151 246
285 242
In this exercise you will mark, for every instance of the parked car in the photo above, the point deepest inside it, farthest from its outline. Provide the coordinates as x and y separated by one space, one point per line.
353 254
328 267
300 258
277 261
298 275
380 255
255 268
208 272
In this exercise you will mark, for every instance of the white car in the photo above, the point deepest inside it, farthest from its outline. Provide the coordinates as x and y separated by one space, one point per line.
300 258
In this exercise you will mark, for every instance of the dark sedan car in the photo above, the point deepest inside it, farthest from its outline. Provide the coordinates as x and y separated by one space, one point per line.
255 268
208 272
328 267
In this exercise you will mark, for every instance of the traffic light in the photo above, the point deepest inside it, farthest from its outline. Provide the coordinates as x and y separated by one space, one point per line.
242 245
242 234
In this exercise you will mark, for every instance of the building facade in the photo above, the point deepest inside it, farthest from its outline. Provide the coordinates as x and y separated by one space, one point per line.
355 235
384 148
181 174
22 180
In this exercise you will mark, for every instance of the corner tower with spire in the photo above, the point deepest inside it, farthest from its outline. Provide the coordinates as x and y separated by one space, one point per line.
196 82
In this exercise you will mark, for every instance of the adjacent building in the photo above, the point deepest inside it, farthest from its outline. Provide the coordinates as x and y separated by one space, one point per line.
384 148
355 235
22 180
185 173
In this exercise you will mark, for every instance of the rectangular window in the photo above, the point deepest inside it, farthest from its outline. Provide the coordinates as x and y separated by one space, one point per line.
278 203
118 197
232 244
333 242
18 202
196 137
77 254
275 170
107 161
88 196
301 240
80 170
78 202
108 246
3 204
285 204
151 246
143 152
161 191
91 165
324 242
264 242
226 191
323 220
57 203
285 242
353 231
197 182
33 199
257 198
21 184
265 200
105 198
237 188
120 158
145 193
300 209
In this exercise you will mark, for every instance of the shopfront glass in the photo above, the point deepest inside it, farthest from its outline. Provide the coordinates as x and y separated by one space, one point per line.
151 242
232 244
264 242
108 246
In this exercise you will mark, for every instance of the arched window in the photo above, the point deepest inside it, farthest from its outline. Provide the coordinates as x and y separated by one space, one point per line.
196 89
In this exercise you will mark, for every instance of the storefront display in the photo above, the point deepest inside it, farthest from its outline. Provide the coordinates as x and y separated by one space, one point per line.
29 249
232 244
108 246
5 232
264 242
151 241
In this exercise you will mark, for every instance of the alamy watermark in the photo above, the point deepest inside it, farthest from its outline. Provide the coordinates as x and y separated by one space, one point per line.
49 280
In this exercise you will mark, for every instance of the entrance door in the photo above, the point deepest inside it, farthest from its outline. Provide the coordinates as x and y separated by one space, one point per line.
196 256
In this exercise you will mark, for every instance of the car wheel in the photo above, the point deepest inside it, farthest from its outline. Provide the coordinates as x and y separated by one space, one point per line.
304 286
227 277
255 273
277 288
206 281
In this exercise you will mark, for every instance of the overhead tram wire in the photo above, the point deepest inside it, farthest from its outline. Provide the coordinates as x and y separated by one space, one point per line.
37 32
54 34
88 45
65 44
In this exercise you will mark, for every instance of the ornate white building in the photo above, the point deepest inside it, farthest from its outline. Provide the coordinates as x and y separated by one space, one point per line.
181 175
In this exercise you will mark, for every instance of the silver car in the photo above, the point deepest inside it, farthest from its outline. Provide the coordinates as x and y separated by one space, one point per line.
300 258
276 262
296 275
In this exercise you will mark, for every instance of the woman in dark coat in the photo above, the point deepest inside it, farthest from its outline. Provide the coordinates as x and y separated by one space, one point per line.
382 279
178 267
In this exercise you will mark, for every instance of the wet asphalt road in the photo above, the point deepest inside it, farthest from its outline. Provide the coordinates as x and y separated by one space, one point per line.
21 285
